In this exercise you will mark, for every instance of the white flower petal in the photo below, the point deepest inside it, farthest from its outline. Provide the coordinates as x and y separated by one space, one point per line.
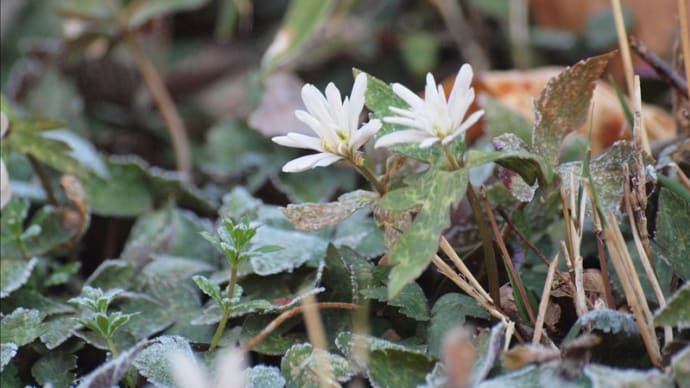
357 99
310 161
365 133
316 103
474 117
428 142
4 124
5 189
401 137
297 140
413 100
406 122
459 106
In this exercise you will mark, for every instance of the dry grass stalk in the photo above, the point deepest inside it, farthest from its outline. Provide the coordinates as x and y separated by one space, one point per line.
574 232
685 37
460 265
544 303
506 257
469 289
317 337
620 257
623 44
603 265
644 259
639 130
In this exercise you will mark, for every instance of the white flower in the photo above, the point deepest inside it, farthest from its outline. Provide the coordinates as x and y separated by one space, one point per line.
335 121
5 189
433 119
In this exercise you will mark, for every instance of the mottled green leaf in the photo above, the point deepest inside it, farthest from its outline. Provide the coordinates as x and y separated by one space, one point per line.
302 20
55 368
563 105
299 366
153 9
346 274
14 273
379 98
436 191
22 326
450 311
262 376
154 362
310 217
673 223
528 165
7 351
677 309
360 232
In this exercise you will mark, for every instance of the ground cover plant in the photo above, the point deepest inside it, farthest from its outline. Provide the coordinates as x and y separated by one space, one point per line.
231 193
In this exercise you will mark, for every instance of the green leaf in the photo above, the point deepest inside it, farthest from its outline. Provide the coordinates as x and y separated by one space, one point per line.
316 185
501 119
450 311
32 299
390 364
154 361
535 376
14 273
606 174
153 9
677 309
680 365
55 369
346 274
528 165
436 191
82 150
673 223
360 232
309 217
58 330
29 136
54 231
112 371
262 376
276 343
488 346
7 351
22 326
300 248
62 274
302 20
173 232
168 306
299 366
209 288
379 98
603 376
411 300
125 193
563 104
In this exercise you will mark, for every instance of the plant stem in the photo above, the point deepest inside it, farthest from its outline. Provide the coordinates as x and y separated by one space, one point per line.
226 309
370 177
45 182
453 163
111 345
487 243
165 104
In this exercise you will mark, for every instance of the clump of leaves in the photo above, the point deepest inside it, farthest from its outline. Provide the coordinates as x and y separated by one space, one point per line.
233 240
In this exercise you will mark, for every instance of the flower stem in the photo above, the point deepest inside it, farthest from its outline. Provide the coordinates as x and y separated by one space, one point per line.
370 177
226 309
453 163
